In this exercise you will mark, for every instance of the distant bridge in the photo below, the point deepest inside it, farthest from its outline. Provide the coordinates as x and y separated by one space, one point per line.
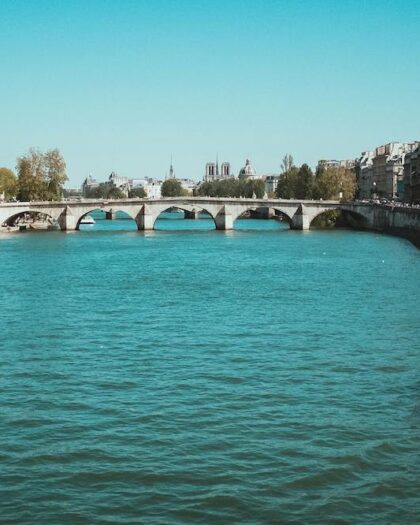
224 211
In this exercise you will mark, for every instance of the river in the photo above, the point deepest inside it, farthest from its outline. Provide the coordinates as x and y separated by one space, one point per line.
255 376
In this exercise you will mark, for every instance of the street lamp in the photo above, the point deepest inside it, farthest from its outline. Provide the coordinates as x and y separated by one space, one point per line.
374 194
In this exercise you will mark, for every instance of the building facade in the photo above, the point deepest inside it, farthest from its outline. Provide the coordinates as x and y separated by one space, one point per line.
271 182
348 164
364 180
380 173
412 176
212 171
89 184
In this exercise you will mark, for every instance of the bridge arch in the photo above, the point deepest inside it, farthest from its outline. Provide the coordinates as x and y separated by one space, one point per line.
355 216
187 209
109 209
28 217
264 211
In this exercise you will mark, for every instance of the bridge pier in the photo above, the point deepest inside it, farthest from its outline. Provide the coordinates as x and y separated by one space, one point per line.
110 215
224 220
67 221
300 220
193 214
145 219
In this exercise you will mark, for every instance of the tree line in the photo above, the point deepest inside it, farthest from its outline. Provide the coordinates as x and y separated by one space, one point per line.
107 191
301 183
232 187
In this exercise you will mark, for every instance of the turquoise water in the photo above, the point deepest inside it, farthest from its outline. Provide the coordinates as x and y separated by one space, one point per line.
253 376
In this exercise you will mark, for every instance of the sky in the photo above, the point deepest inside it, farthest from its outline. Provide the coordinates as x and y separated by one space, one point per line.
121 85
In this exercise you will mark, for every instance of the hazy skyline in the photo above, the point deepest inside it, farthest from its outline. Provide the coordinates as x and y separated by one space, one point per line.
120 86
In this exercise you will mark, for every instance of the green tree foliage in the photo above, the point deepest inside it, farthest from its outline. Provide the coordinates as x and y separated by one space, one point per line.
137 192
232 187
172 188
296 183
254 188
286 183
8 183
328 219
332 183
116 193
99 192
41 176
304 183
55 173
105 191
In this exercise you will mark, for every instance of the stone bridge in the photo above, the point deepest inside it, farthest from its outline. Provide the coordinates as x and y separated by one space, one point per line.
224 211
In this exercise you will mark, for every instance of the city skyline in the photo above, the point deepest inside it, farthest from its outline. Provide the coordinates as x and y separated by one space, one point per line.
118 87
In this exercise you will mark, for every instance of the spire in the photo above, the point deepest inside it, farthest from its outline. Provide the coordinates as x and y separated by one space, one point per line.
171 170
217 164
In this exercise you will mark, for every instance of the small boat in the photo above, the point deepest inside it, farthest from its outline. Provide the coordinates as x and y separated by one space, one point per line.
87 219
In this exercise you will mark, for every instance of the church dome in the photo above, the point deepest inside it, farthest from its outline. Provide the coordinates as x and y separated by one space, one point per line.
247 170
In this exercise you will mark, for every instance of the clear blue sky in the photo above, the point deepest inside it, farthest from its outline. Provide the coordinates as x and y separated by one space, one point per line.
120 85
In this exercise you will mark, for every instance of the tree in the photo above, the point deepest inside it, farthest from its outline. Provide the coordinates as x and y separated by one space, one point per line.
335 183
296 183
137 192
254 188
41 176
8 183
172 188
287 183
99 192
105 191
55 173
287 163
31 177
115 193
304 183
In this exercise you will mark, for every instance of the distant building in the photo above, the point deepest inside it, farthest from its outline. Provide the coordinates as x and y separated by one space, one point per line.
188 184
380 173
136 183
171 171
363 170
412 176
212 171
225 169
248 171
88 184
271 182
153 188
122 183
117 180
348 164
